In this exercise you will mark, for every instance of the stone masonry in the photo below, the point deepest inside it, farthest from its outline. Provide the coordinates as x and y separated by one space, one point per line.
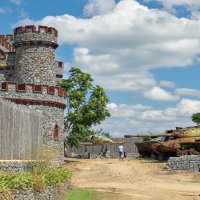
189 163
28 76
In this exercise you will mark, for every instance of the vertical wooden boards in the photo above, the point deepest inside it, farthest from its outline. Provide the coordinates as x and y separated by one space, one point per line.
20 132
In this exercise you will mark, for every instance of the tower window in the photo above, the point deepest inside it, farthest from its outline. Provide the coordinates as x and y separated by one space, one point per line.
2 55
56 133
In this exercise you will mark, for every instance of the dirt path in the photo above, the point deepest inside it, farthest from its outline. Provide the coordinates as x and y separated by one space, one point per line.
133 179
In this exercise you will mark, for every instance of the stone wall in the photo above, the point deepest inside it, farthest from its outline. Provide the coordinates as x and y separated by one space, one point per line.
9 60
35 64
52 192
35 54
52 116
189 163
59 70
2 78
20 165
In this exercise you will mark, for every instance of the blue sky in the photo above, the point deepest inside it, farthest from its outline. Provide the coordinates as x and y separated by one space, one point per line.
144 53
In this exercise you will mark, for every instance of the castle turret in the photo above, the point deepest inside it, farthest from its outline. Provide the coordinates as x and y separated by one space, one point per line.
34 76
35 54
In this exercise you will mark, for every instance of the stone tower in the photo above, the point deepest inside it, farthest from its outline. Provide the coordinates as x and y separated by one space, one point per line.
28 76
35 55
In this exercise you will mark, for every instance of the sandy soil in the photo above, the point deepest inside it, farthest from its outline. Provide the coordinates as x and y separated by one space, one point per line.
133 179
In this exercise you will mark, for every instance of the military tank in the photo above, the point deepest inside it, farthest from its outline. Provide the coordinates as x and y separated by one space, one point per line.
182 141
145 146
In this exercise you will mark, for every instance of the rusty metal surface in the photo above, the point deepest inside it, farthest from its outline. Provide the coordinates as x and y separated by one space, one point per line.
184 141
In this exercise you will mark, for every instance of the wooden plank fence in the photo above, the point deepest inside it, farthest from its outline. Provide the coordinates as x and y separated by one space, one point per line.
129 147
20 132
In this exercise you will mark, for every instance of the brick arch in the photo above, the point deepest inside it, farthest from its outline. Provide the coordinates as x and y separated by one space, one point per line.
2 55
56 132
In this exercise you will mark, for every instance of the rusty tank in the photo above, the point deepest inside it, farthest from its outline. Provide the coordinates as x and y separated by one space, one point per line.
182 141
145 146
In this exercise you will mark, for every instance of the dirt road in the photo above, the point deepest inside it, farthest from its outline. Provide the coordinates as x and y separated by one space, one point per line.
134 179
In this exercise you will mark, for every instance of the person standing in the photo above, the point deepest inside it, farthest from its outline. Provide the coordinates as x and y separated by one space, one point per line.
121 151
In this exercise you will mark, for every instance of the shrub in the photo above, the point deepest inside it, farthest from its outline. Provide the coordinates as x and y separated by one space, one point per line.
37 179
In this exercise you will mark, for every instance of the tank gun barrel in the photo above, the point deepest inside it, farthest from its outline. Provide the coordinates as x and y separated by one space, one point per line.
174 134
148 135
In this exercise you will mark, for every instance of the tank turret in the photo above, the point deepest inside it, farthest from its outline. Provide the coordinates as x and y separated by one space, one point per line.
177 142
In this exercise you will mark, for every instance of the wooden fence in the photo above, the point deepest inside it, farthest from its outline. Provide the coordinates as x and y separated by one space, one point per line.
129 147
20 132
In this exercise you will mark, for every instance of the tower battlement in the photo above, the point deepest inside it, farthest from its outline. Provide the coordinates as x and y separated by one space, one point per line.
34 93
4 42
34 29
40 35
7 37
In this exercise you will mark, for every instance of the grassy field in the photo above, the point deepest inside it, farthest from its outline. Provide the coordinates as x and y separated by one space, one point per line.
82 194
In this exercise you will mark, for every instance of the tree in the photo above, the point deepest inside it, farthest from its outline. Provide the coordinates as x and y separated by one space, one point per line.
196 118
86 106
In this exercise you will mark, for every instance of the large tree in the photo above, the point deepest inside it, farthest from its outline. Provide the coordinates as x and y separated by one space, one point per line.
86 106
196 118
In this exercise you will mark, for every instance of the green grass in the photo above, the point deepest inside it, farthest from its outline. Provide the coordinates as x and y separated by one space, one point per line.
37 179
81 194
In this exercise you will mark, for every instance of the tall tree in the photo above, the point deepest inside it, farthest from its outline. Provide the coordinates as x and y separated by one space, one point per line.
196 118
86 106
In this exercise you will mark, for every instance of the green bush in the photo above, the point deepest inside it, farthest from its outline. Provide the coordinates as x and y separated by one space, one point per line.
37 179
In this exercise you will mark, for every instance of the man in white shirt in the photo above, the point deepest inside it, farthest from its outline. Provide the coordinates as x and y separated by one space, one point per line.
121 151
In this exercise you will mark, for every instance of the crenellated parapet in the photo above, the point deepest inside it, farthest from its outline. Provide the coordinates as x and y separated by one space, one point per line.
5 43
32 93
35 35
7 37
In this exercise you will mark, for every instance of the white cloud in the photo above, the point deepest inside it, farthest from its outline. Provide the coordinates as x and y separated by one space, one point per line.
157 93
98 7
167 84
5 10
127 119
123 110
192 4
188 107
16 1
120 48
188 92
23 14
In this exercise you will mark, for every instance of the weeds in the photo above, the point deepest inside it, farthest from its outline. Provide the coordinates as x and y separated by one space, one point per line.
37 179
